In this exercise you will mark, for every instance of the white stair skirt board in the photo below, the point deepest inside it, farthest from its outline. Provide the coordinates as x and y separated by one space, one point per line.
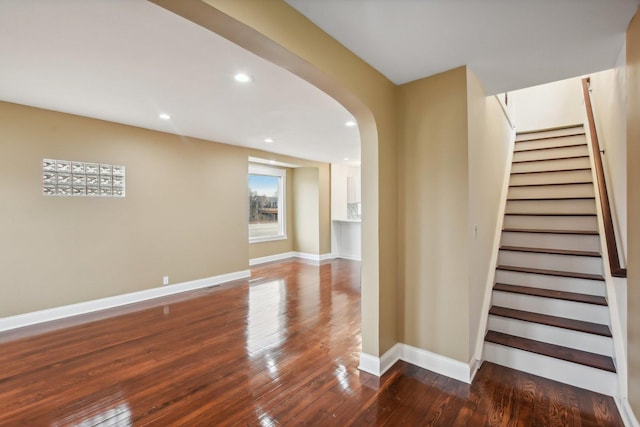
56 313
552 153
552 335
569 263
555 369
422 358
628 417
578 242
271 258
556 283
552 307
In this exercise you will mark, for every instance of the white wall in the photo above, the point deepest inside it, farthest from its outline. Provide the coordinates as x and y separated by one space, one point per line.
547 106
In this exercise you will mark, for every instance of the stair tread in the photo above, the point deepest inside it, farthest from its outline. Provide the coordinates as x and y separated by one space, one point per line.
559 273
551 160
553 198
553 171
550 251
542 138
550 293
550 231
548 148
593 360
549 214
552 184
558 322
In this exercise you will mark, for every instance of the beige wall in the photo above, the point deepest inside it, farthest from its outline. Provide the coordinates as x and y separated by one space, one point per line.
186 201
608 98
275 31
547 106
263 249
490 146
633 210
306 201
434 206
61 250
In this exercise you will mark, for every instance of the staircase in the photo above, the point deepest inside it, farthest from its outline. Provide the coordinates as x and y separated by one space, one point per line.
549 313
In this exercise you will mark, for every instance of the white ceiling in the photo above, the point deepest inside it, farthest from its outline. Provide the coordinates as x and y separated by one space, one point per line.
126 61
509 44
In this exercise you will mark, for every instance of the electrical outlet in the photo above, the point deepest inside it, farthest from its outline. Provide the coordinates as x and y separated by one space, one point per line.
165 280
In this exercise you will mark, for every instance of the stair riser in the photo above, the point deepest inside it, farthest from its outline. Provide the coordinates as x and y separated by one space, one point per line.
565 284
569 263
555 191
584 223
549 165
577 242
550 143
552 307
551 133
554 153
559 370
551 177
549 334
587 206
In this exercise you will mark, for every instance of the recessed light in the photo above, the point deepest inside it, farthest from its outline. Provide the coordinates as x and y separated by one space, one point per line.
164 116
243 78
350 124
346 158
268 140
273 162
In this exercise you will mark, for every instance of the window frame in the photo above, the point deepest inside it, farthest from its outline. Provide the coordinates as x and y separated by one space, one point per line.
282 200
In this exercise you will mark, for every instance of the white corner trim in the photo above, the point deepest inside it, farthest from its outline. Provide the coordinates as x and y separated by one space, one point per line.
416 356
47 315
369 364
628 417
313 257
271 258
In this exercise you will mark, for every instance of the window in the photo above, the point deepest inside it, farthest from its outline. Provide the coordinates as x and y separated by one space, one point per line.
266 203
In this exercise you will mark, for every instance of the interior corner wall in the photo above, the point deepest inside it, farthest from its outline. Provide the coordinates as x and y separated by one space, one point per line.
276 247
633 211
433 210
186 200
548 106
490 146
306 200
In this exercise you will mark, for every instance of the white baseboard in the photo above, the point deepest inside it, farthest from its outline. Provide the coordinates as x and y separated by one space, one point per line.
313 257
416 356
349 257
271 258
56 313
628 417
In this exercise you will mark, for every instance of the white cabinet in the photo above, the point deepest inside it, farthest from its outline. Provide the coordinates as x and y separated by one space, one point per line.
345 211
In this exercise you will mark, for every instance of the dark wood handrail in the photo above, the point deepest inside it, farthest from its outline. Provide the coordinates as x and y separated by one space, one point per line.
610 235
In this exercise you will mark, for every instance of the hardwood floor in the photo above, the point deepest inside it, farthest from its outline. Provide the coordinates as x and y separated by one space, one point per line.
281 349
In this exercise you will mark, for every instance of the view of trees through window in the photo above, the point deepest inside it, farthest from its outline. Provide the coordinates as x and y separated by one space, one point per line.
264 204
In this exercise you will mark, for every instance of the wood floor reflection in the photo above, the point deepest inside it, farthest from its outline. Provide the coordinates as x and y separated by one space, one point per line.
281 349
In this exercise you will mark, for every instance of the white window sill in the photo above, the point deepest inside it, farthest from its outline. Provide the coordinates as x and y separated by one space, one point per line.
267 239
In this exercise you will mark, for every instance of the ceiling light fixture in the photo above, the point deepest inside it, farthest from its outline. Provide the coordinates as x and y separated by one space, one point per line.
350 124
268 140
243 78
164 116
346 158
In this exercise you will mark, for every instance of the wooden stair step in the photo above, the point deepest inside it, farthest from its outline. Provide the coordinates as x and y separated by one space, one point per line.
550 293
553 171
547 231
551 184
542 138
558 322
558 273
548 214
552 198
593 360
553 160
526 150
550 251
